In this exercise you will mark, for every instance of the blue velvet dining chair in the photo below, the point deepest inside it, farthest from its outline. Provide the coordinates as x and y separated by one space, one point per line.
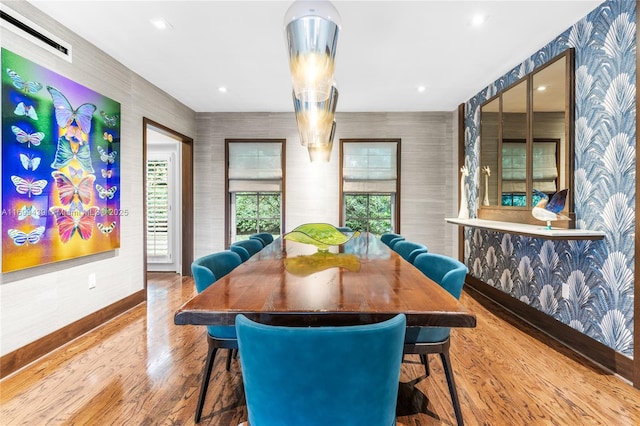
264 237
390 239
206 271
319 376
449 273
251 246
344 229
409 250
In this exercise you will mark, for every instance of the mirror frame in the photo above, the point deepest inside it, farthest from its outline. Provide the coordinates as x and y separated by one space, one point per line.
523 214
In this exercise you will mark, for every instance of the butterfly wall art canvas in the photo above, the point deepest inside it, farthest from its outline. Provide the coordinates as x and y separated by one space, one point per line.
61 159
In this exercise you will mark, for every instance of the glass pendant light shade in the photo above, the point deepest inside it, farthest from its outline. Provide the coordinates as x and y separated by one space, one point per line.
322 152
316 119
311 29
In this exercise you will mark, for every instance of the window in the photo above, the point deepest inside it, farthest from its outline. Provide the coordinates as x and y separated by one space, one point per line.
255 187
158 209
370 185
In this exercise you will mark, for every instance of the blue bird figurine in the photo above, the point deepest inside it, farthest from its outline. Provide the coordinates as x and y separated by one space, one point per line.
548 211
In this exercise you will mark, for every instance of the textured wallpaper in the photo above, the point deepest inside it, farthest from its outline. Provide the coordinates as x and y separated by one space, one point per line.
587 285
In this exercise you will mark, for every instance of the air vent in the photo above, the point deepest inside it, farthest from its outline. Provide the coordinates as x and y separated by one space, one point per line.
13 21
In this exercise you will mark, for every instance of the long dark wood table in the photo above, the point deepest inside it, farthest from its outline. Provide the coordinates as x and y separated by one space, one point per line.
289 283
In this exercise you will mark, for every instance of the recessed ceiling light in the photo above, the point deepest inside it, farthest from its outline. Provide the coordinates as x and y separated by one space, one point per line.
542 88
478 20
421 89
222 89
160 24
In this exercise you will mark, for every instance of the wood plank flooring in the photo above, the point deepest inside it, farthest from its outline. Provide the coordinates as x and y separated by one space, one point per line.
140 369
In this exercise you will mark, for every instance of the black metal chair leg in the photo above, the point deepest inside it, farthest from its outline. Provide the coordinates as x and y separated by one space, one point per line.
448 371
229 356
424 358
211 355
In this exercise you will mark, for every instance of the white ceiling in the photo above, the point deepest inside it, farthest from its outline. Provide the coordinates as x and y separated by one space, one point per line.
386 49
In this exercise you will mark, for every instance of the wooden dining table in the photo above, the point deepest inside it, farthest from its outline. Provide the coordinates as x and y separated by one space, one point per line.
293 284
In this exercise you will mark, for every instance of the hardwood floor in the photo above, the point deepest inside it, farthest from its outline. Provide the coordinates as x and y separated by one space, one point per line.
140 369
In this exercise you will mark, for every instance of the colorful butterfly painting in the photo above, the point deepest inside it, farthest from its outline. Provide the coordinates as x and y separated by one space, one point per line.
107 173
21 238
24 186
106 193
64 155
65 114
107 158
72 220
25 86
68 191
27 110
26 212
28 138
110 121
106 229
30 162
107 136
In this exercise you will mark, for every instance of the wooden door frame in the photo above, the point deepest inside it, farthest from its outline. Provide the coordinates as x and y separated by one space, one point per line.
187 233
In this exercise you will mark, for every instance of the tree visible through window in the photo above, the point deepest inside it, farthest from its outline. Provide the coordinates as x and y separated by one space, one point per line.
257 212
369 212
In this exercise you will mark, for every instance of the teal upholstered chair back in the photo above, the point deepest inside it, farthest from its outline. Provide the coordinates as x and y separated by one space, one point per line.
321 375
409 250
264 237
446 271
206 271
344 229
252 246
390 239
449 273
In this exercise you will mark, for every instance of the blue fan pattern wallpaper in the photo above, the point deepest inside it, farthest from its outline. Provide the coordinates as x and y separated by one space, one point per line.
585 284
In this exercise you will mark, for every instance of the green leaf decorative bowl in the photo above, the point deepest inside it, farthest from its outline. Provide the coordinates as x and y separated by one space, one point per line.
321 235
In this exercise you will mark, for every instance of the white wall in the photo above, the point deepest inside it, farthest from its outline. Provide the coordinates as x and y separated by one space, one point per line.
38 301
428 171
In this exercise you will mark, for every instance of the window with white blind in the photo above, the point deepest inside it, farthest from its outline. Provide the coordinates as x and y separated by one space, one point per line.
370 184
159 239
255 186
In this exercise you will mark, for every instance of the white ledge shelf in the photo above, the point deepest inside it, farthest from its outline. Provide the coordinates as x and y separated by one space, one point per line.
532 230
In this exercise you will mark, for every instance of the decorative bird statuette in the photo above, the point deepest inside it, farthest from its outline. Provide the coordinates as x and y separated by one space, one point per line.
464 205
486 171
548 211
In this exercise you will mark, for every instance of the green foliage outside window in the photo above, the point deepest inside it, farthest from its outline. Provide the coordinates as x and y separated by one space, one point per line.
368 212
257 212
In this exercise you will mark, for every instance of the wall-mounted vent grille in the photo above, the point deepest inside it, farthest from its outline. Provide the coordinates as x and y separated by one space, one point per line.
13 21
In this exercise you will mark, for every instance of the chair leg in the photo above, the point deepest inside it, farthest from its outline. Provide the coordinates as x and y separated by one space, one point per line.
211 355
424 358
229 356
448 371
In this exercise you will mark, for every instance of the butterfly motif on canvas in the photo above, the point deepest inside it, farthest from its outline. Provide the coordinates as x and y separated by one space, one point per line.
107 173
107 136
106 193
27 110
26 212
25 86
110 121
107 158
21 238
64 154
74 220
29 162
75 173
28 138
106 229
30 187
68 191
66 115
